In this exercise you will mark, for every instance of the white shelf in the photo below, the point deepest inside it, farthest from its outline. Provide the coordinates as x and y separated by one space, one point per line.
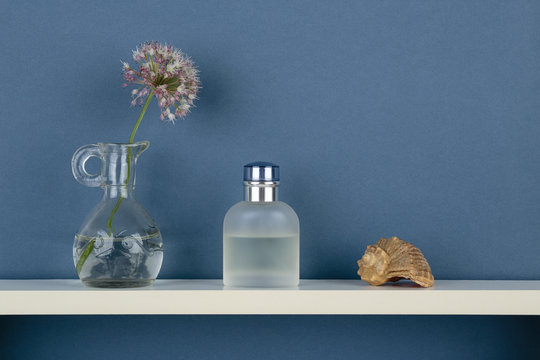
352 297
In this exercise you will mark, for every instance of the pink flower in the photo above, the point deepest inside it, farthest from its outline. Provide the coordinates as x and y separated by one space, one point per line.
167 72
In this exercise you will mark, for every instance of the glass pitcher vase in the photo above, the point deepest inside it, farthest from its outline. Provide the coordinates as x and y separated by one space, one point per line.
118 244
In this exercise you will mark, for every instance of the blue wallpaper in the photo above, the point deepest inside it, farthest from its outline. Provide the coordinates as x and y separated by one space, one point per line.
408 118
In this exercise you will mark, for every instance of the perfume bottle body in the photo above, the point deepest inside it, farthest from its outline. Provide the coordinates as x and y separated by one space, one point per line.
261 235
261 245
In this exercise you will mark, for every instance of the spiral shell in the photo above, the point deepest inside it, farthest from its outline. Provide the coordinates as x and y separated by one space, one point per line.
393 259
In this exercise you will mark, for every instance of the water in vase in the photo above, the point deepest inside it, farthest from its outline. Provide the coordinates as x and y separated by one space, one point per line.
129 261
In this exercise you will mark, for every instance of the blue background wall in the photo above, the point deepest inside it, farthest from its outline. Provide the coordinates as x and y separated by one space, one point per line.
408 118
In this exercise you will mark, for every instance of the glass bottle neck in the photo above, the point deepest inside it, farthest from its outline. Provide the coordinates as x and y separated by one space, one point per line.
118 169
261 191
118 191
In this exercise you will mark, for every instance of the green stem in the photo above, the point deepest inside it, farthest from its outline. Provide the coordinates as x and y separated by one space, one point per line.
131 138
90 246
109 222
140 117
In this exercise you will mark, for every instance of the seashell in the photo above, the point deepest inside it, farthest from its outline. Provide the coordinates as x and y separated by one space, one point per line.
393 259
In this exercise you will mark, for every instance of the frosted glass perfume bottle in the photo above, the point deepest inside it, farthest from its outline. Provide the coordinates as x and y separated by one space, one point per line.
261 235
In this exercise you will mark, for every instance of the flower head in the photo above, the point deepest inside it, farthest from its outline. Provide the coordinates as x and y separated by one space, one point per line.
166 71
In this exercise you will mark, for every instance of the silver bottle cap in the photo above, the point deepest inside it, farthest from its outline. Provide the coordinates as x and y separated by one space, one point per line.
261 180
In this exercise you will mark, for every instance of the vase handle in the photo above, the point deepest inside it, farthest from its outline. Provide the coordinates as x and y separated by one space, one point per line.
78 162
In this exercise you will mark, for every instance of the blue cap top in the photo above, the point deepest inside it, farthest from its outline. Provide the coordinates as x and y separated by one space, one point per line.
261 171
